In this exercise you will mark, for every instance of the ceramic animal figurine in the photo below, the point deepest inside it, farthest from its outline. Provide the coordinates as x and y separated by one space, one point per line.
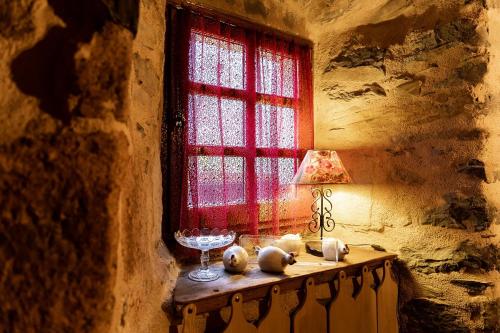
235 259
289 243
272 259
334 249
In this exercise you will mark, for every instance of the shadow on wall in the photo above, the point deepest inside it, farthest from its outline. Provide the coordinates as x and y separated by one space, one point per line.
48 70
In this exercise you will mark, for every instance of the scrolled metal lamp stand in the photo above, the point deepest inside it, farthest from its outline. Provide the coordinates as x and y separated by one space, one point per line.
322 211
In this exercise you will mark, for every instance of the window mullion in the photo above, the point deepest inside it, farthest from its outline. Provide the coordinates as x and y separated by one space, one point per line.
250 132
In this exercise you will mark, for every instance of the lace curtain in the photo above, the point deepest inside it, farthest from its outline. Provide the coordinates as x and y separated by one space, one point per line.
239 111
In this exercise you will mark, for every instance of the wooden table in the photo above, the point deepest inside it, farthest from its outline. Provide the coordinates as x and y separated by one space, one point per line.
255 284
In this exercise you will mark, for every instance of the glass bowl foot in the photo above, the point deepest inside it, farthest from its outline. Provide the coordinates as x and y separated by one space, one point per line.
203 275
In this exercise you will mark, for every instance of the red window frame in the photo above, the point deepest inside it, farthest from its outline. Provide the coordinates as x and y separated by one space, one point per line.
251 97
179 86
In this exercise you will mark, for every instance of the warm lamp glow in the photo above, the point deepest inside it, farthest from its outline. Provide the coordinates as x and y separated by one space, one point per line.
353 203
321 167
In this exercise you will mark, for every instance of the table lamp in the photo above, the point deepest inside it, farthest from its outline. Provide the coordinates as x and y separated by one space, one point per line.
319 168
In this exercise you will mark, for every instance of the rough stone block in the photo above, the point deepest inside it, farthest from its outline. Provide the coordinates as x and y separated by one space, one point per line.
57 231
462 30
351 56
71 77
16 19
466 256
473 287
473 167
461 212
424 315
473 72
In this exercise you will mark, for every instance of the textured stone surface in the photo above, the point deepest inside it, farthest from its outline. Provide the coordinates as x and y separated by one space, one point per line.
86 81
124 12
466 257
335 92
490 311
56 221
19 12
351 57
474 168
147 271
487 313
102 83
80 208
461 212
422 154
406 91
425 315
473 287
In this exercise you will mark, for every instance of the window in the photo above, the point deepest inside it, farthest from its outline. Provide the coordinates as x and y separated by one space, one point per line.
244 100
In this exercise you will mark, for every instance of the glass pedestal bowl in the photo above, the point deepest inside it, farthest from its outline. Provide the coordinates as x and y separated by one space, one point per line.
204 240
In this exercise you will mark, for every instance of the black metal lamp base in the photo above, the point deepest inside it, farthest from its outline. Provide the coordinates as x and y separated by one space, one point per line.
321 207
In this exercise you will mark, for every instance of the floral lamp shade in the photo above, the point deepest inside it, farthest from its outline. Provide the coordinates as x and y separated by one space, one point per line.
321 167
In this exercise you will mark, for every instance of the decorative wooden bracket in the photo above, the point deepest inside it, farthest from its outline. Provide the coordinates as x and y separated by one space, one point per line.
237 322
351 310
310 315
275 320
387 301
188 318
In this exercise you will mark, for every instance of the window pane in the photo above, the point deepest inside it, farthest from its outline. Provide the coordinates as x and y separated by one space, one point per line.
215 187
217 61
286 170
274 126
271 173
276 73
204 121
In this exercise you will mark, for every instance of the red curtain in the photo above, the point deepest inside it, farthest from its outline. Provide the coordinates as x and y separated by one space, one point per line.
243 121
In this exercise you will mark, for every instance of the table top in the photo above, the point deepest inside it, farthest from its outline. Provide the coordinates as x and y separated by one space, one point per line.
255 284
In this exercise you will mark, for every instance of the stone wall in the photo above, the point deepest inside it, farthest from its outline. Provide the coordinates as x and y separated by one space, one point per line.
80 177
81 105
401 92
284 15
406 91
146 270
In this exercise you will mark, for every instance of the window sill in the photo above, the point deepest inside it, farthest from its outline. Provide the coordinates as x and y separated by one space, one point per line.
255 284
